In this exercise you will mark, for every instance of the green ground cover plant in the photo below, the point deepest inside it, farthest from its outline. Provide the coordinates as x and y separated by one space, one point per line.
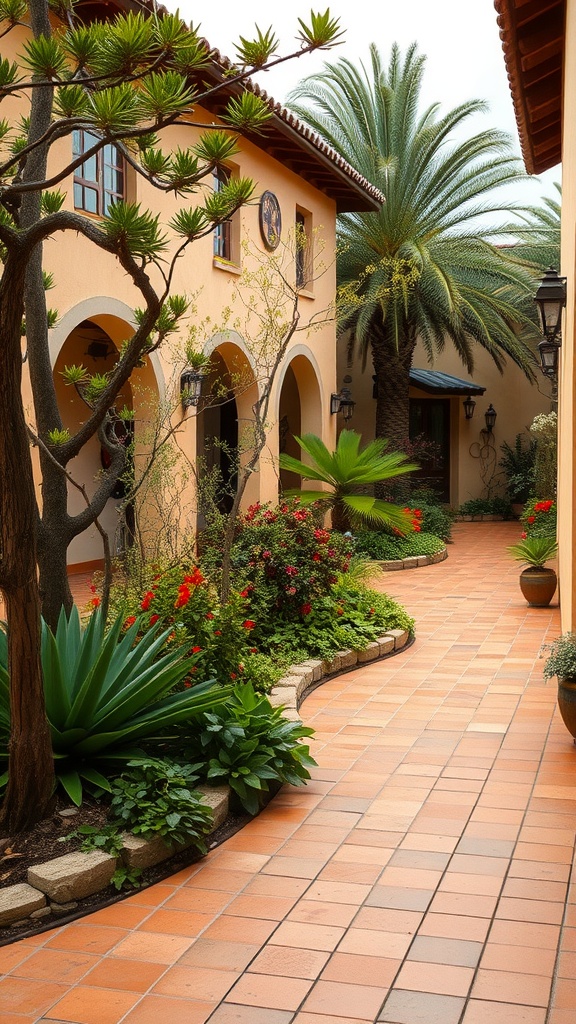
376 544
486 506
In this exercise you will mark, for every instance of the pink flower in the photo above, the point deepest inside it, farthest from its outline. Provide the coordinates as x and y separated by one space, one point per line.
291 570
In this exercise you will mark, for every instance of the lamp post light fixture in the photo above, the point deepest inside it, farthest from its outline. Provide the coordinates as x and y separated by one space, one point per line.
490 417
343 403
550 299
191 387
469 406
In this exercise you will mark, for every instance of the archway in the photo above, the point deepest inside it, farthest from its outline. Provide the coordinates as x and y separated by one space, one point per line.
225 423
95 343
299 412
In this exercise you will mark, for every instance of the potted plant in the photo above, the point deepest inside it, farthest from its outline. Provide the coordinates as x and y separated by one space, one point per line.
561 662
537 581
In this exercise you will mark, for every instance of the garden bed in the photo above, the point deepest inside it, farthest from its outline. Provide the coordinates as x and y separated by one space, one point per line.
33 856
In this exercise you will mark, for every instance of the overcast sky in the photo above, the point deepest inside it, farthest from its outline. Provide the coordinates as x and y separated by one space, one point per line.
459 37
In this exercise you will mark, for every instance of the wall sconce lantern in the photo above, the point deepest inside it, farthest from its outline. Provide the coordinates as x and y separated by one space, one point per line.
469 406
191 387
550 299
490 417
343 403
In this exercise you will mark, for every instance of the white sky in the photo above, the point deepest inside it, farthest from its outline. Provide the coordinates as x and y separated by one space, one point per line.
459 37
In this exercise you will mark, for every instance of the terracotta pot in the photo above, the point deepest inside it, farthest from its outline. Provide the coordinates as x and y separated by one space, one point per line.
567 704
538 584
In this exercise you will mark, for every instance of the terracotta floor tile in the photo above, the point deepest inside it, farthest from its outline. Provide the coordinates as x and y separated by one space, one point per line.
152 946
219 955
290 962
458 952
121 915
307 936
341 1000
525 933
272 991
404 1007
480 1011
315 912
565 994
83 1005
22 995
201 983
87 938
540 911
276 885
510 987
322 1018
200 901
265 908
521 959
366 942
133 975
55 965
164 1010
238 929
355 969
234 1013
440 978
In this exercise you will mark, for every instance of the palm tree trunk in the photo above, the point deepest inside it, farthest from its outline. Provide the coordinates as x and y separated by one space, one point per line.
392 371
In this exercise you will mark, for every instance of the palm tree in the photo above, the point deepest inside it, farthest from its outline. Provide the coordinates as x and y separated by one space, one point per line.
347 471
537 237
423 266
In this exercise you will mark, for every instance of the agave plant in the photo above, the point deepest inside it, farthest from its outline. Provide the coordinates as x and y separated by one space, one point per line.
105 691
348 471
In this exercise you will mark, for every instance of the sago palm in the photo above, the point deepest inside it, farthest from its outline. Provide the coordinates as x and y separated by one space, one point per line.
346 472
425 266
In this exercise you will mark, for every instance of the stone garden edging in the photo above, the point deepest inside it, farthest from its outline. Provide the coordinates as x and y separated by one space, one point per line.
414 562
53 888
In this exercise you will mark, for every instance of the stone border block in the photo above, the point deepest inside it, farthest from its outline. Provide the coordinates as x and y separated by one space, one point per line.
347 659
371 652
20 901
400 637
73 876
386 644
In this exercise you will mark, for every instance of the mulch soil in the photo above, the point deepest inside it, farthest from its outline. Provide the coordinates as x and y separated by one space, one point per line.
48 840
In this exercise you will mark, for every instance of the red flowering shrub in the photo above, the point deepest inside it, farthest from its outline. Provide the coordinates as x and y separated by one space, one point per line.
539 518
183 598
287 560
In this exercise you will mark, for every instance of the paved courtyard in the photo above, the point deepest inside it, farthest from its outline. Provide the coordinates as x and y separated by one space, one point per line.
423 877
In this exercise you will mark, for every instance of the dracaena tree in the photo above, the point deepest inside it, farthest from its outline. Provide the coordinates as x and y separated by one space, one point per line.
122 82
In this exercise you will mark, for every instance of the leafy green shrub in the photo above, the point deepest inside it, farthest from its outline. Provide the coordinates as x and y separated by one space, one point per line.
380 545
561 660
534 551
486 506
248 744
436 519
539 518
104 691
155 798
519 463
350 618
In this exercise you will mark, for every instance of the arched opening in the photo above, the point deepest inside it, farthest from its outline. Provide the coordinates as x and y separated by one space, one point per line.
299 412
224 428
95 343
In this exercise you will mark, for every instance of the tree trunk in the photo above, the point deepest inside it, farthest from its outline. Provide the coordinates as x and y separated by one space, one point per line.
55 592
30 765
392 370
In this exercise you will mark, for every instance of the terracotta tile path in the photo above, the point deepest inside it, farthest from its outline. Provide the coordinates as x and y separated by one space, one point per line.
424 877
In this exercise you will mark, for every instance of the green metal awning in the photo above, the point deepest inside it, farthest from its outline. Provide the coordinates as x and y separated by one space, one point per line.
437 383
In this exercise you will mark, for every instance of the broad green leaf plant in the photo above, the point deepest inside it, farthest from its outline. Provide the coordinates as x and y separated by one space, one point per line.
347 472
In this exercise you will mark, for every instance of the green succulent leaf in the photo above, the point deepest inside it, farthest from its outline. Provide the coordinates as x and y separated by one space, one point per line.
45 58
162 95
322 32
189 223
258 51
135 230
247 113
216 147
71 101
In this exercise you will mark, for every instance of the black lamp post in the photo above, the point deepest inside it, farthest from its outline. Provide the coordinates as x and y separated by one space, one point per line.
191 387
551 299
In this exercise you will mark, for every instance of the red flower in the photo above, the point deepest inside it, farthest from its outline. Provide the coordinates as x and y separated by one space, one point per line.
92 588
154 619
187 686
300 515
291 570
147 600
291 591
183 596
195 578
523 535
244 593
266 554
209 615
306 609
95 602
339 611
316 556
217 632
196 650
129 621
253 650
531 519
248 624
232 675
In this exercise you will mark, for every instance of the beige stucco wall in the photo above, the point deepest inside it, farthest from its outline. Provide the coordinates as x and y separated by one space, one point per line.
516 402
89 284
567 402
